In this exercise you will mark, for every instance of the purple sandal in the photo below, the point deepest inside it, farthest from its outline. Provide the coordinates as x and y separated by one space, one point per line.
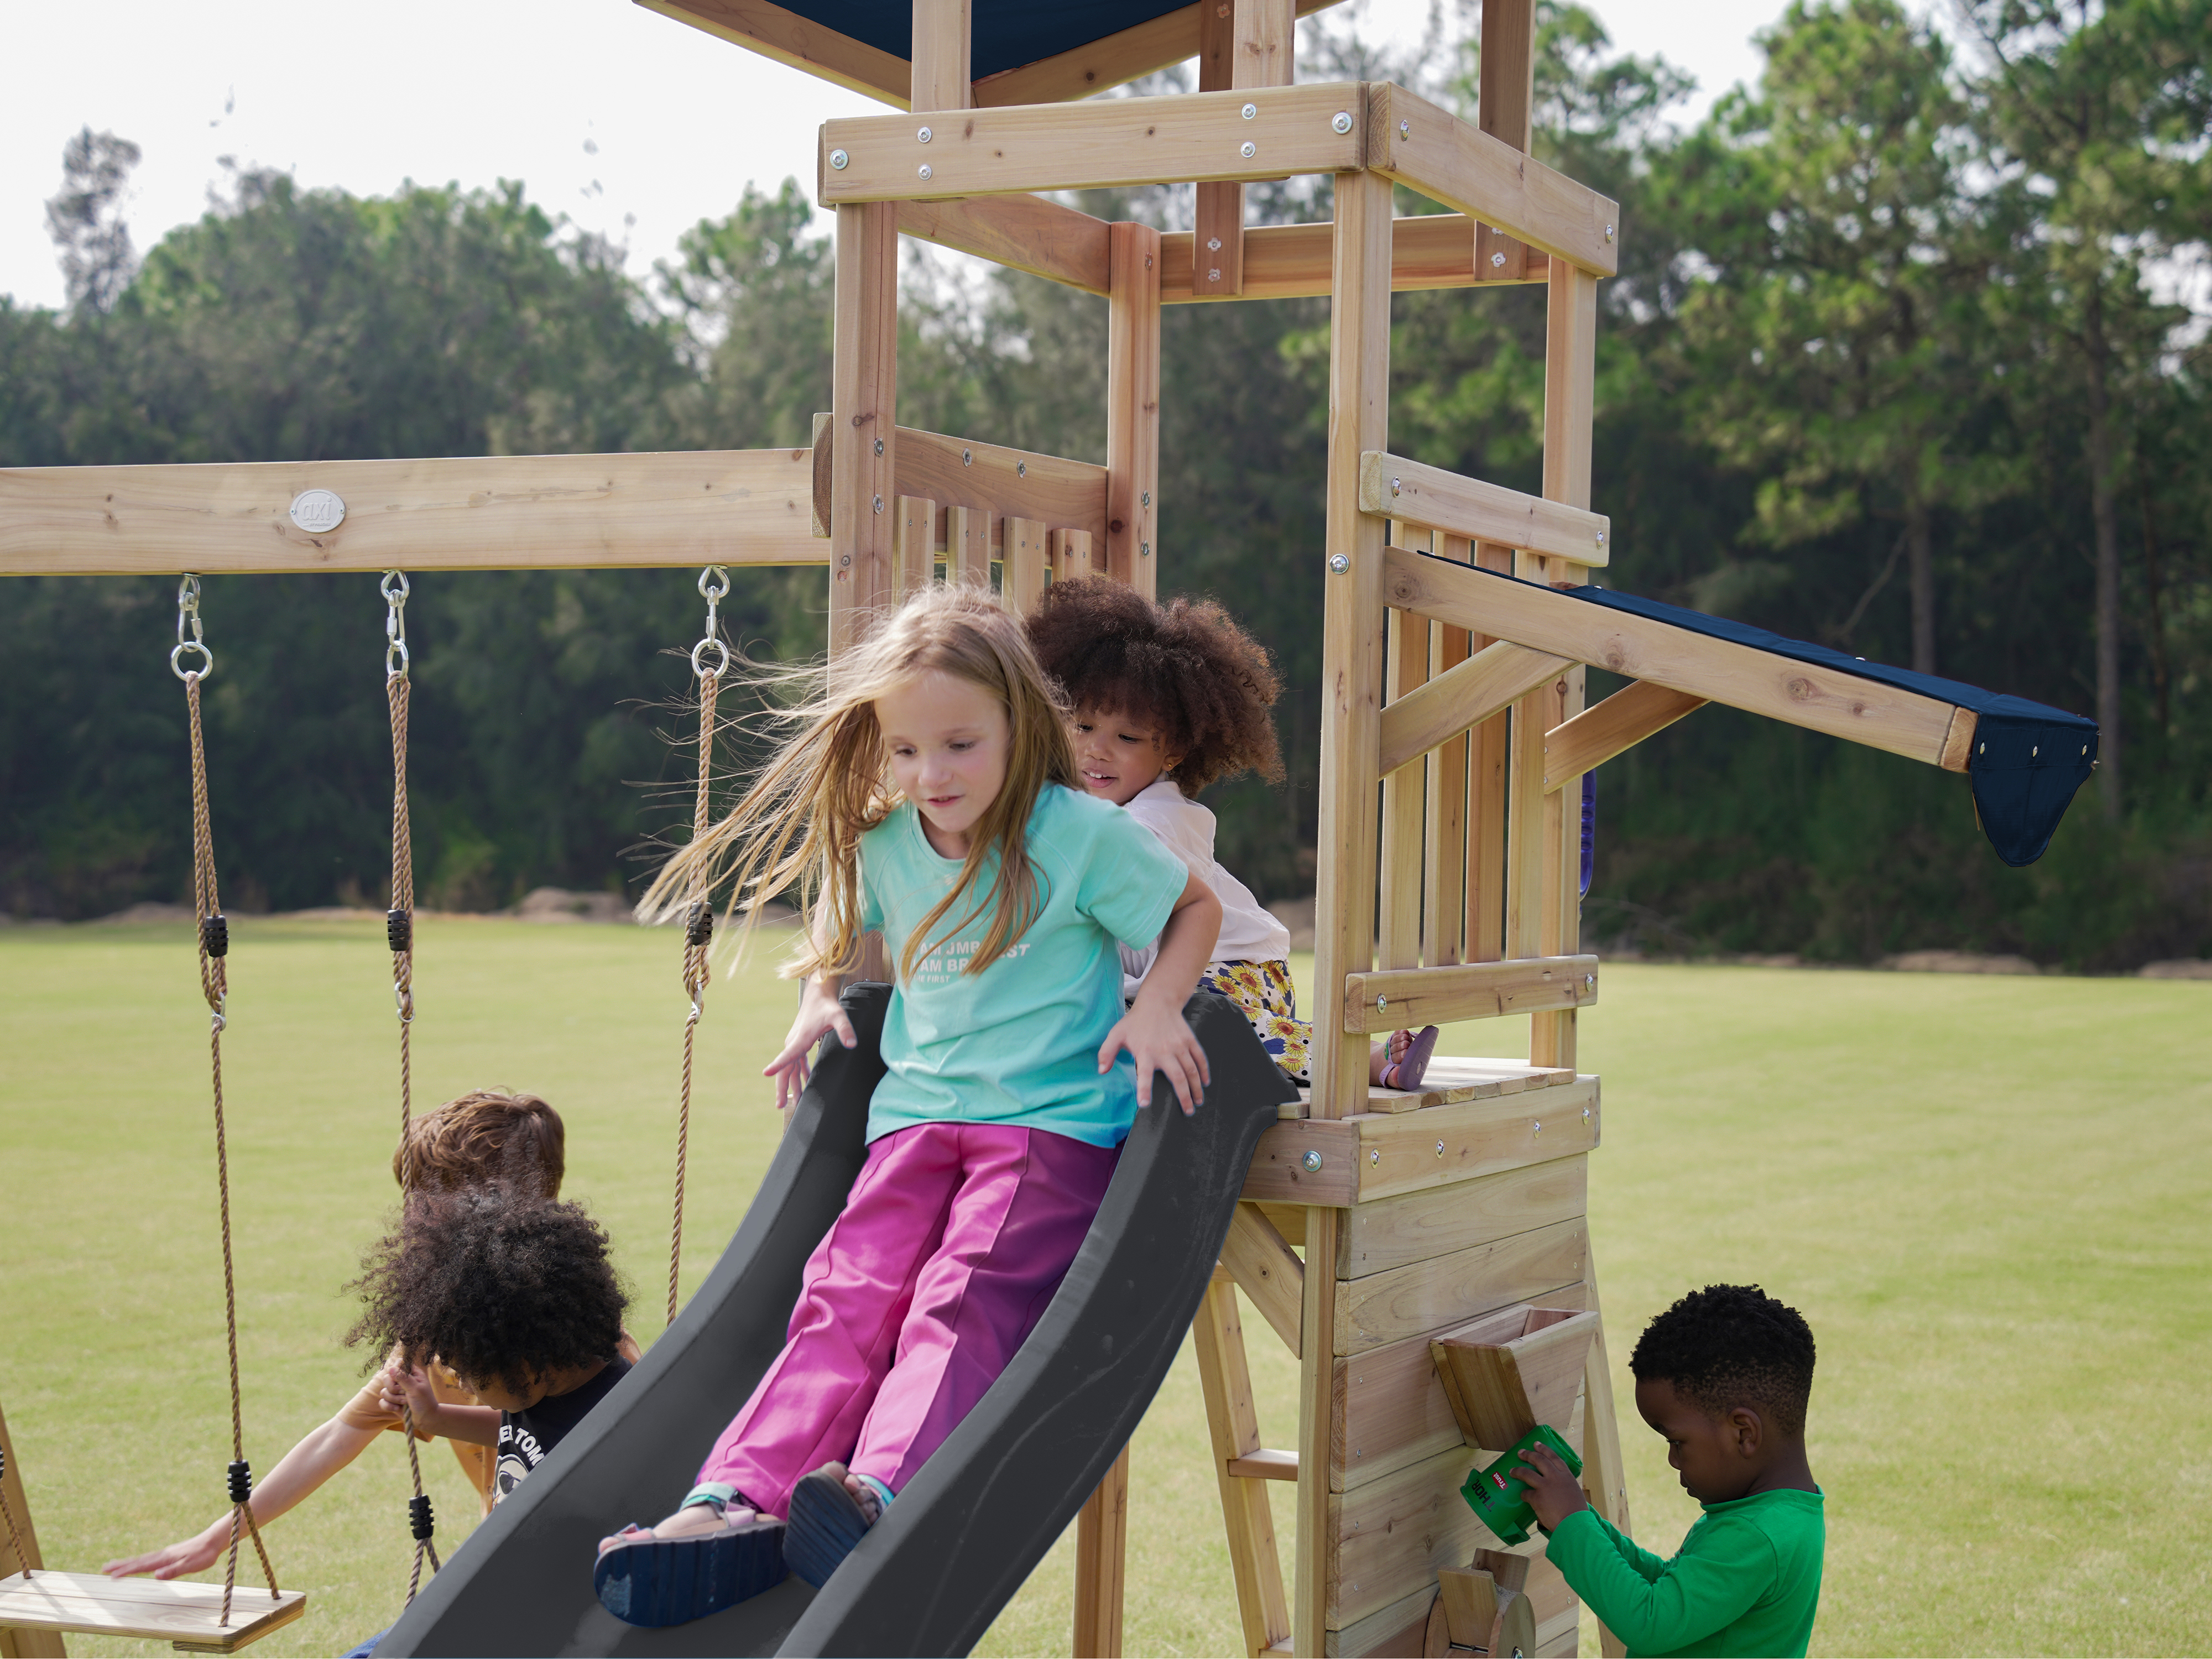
1409 1068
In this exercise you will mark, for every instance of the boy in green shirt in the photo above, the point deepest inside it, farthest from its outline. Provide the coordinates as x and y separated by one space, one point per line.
1724 1376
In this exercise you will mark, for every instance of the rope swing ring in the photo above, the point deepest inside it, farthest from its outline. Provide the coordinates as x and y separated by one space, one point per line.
215 985
699 913
399 935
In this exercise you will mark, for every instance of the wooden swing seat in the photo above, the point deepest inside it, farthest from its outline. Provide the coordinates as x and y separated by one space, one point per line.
180 1612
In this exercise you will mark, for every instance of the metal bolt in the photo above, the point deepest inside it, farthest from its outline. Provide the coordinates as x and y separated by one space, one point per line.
1586 1113
1590 979
1213 245
1405 129
845 560
923 135
879 503
2032 753
1374 1155
1498 262
1396 485
1381 1004
1312 1161
967 458
1247 149
1601 539
1341 121
1440 1149
1144 549
1539 1128
1339 563
1021 469
1145 498
924 169
1251 110
1213 274
838 158
1608 233
880 445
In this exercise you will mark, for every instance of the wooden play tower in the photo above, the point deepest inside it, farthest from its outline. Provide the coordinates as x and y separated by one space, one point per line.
1380 1228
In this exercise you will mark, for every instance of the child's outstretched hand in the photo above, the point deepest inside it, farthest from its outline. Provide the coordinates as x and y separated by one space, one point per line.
818 1012
1553 1492
1158 1039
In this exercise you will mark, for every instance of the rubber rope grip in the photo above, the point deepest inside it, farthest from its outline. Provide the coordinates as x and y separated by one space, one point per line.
399 930
241 1482
699 925
215 935
418 1517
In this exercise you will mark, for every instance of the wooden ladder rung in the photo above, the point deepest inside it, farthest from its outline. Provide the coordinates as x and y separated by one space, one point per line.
1266 1464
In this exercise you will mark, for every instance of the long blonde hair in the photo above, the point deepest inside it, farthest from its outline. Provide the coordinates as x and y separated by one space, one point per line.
801 821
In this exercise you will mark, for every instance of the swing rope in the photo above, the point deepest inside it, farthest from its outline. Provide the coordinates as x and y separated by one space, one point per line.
699 915
215 985
400 934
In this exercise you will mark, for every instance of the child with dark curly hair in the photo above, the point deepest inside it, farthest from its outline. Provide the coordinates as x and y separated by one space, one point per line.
1169 699
1724 1376
513 1293
484 1135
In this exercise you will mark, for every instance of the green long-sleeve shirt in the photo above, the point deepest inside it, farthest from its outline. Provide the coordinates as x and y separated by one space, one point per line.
1747 1582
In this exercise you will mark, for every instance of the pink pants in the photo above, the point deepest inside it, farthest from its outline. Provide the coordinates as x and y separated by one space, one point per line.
951 1244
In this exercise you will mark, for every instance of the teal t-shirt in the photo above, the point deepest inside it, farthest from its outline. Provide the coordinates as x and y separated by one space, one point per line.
1019 1042
1747 1580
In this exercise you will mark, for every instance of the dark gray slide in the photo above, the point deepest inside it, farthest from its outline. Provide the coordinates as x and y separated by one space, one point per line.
969 1527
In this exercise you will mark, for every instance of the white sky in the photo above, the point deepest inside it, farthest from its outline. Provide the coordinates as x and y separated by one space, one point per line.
628 123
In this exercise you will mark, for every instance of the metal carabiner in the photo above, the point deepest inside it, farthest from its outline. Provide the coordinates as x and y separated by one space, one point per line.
395 623
188 613
713 585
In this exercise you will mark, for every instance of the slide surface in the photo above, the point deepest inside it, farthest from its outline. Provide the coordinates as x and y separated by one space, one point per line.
971 1526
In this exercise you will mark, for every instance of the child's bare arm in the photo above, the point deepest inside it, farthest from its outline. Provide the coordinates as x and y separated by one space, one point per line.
1154 1031
320 1454
818 1012
404 1388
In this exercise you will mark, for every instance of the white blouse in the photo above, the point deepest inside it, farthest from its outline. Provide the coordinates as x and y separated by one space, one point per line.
1249 933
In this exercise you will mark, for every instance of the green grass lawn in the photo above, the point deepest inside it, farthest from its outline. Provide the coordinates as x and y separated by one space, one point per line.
1990 1197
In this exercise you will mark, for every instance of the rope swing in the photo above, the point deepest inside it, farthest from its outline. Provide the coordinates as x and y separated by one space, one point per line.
699 915
400 934
215 948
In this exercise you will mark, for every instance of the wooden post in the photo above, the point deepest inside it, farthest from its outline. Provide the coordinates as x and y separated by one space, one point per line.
1352 650
1488 753
1504 102
863 419
1021 578
1100 1534
1605 1479
1404 791
21 1643
1570 374
941 34
1132 406
968 546
917 545
1443 870
1218 1335
1241 43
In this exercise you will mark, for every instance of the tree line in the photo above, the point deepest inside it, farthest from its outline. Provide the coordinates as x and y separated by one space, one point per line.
1901 357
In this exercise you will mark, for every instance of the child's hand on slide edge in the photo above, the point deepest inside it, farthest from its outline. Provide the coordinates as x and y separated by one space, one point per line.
1159 1041
818 1012
1553 1492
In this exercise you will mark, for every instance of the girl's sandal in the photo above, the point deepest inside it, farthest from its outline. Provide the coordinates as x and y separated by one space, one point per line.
1410 1067
826 1523
645 1579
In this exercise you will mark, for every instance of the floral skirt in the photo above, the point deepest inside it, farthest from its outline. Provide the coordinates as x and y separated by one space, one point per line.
1263 990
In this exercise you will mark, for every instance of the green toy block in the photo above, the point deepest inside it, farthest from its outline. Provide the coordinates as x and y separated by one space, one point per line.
1499 1501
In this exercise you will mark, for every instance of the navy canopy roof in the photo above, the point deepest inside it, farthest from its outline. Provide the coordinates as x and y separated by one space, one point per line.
2028 759
1004 34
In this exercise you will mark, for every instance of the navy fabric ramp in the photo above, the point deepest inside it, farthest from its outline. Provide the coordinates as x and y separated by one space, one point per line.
2028 758
1004 34
968 1530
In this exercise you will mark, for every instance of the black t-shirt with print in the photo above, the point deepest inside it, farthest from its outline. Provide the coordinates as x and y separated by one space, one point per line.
524 1437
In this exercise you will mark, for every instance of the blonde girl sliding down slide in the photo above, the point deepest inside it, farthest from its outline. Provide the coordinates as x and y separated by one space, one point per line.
929 794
